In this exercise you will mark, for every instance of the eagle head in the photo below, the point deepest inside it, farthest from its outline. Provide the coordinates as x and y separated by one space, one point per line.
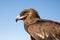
27 13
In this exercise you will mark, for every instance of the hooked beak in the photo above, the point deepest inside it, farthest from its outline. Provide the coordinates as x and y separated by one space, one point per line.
19 18
16 20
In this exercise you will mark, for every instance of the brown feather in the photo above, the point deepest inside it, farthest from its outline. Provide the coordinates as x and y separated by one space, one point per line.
40 29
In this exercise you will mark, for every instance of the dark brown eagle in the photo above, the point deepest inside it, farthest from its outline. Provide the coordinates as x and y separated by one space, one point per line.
39 29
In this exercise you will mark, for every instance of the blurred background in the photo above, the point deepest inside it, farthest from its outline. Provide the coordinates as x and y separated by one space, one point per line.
9 9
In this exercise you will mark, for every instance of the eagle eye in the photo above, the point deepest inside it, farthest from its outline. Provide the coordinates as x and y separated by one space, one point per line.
23 13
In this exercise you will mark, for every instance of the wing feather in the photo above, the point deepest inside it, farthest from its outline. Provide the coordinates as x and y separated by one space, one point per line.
46 30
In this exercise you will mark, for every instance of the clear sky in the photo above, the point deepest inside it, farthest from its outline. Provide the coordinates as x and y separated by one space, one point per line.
9 9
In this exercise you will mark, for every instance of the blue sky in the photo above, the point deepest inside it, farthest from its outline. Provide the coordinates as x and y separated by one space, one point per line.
9 9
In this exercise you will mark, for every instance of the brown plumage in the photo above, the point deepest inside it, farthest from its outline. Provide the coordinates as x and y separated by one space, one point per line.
39 29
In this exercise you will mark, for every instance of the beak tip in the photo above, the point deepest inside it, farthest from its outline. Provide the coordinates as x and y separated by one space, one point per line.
16 20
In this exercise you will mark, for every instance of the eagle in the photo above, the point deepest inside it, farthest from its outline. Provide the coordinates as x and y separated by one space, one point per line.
38 28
